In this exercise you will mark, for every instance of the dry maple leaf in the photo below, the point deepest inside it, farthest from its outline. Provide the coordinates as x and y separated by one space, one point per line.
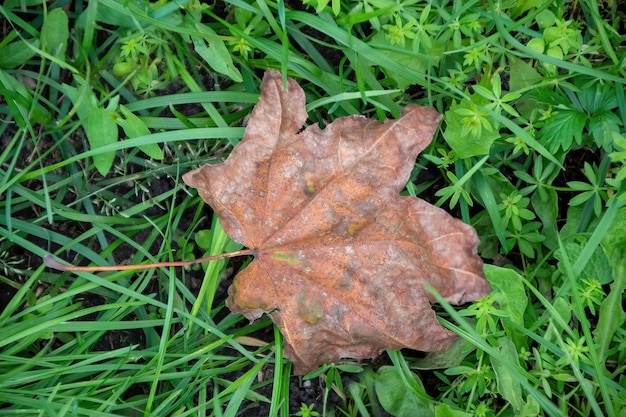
340 257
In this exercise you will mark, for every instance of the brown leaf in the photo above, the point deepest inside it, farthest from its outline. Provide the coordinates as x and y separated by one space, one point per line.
340 256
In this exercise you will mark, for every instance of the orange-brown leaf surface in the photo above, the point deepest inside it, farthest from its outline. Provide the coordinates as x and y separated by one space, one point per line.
340 257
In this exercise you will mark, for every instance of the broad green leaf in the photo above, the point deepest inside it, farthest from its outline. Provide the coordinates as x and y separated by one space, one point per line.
445 410
17 53
523 76
511 297
572 222
482 91
597 268
98 122
509 386
465 143
101 131
113 104
537 44
562 129
530 409
134 127
563 308
545 19
599 98
397 399
611 312
203 238
214 52
603 126
448 358
55 32
406 56
554 52
82 97
614 242
546 206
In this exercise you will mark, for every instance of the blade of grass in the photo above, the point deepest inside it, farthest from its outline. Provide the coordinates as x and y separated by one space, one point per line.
280 393
490 204
589 341
467 332
241 387
505 33
613 206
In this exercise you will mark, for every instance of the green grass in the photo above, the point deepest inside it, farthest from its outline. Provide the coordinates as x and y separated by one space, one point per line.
104 105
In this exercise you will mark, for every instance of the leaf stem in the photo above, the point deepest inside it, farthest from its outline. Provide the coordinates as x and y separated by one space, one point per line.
51 262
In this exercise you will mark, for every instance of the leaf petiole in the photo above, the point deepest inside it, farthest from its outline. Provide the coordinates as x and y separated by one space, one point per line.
51 262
